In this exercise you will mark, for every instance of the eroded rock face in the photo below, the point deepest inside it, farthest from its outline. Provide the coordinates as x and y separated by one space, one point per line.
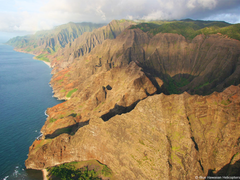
86 43
201 66
163 137
103 94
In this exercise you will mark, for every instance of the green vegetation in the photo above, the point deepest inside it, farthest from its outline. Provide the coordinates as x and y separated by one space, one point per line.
28 49
74 170
172 85
68 171
41 144
67 130
47 42
62 90
106 171
60 81
61 116
202 85
50 50
71 92
52 120
145 27
176 159
42 57
225 102
182 82
190 29
73 114
232 31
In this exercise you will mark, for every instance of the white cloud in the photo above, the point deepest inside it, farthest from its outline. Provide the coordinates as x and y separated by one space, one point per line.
33 15
191 4
100 13
209 4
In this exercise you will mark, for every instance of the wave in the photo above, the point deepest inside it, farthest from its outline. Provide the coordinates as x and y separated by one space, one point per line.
39 137
45 112
6 178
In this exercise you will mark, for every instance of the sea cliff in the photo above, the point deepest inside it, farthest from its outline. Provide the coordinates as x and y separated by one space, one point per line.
147 103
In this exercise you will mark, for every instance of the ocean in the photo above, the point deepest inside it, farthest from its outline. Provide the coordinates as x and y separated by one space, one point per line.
25 94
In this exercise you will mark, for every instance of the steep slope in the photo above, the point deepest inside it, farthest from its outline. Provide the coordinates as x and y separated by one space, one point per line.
112 113
164 137
47 42
207 63
86 43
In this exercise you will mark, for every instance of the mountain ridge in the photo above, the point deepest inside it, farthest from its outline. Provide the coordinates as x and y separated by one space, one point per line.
49 41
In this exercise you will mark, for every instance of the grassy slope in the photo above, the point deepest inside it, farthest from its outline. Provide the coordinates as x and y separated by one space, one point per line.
190 29
80 170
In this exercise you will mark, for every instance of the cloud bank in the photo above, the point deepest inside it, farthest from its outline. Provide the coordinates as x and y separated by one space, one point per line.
31 16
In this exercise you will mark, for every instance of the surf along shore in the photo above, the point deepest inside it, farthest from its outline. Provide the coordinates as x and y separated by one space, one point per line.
44 171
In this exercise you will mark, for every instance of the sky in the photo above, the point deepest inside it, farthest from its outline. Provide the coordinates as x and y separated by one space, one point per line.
21 17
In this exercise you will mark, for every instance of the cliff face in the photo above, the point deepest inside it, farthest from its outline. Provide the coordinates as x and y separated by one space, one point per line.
46 43
164 137
58 37
203 65
114 115
86 43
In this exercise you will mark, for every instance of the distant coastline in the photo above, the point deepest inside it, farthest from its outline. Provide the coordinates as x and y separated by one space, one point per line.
25 86
19 50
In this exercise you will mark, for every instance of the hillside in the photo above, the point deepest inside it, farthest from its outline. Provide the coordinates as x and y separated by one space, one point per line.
206 64
48 42
85 43
150 100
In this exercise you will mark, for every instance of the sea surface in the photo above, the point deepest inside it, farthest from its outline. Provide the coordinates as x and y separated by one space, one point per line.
25 94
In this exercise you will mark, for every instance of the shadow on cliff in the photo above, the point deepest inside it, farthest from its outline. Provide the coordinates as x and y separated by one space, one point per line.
227 170
71 130
118 110
176 84
193 84
170 86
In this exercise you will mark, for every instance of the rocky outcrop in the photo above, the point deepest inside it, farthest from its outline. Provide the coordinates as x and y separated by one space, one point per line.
103 95
163 137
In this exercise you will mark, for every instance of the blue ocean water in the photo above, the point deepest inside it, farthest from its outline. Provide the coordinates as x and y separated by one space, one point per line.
24 96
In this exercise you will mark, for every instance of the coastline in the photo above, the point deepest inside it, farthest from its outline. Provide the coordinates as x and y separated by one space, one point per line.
44 171
47 63
19 50
13 167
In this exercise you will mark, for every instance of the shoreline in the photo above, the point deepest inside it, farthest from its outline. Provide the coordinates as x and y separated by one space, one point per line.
44 171
19 50
47 63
